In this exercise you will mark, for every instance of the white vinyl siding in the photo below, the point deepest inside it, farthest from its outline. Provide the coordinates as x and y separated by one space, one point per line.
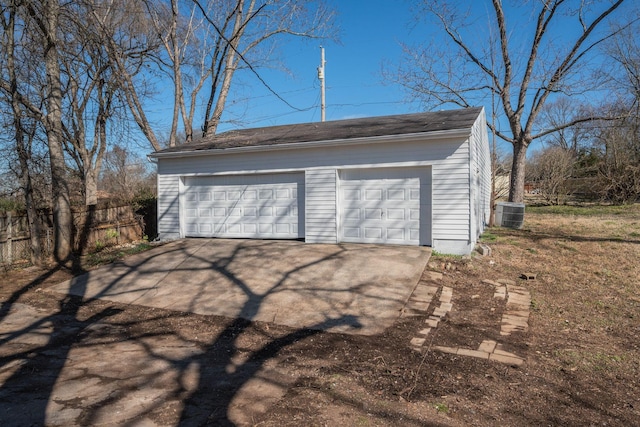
480 177
451 194
168 206
320 206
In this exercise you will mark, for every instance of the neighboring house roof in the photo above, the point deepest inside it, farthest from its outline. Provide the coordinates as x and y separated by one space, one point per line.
335 130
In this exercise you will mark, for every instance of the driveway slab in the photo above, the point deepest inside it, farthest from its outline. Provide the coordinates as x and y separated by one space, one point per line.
352 288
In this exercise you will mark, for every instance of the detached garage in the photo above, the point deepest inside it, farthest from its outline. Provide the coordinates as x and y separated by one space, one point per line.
414 179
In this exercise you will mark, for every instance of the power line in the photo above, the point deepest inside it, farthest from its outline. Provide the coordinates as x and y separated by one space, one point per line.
253 70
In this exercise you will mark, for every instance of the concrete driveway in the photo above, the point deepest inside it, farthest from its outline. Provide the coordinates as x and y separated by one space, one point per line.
351 288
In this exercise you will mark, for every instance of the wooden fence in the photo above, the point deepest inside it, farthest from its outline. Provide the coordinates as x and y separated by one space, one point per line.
93 230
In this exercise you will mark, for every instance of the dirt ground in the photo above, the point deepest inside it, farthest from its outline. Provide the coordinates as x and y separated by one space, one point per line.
581 350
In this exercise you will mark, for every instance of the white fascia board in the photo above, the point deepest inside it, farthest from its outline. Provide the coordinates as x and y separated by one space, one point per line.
409 137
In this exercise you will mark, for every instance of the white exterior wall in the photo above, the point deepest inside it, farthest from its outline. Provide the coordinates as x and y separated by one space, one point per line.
169 207
480 177
449 159
321 206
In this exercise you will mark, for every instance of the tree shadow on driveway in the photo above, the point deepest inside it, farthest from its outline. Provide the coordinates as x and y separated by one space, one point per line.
94 366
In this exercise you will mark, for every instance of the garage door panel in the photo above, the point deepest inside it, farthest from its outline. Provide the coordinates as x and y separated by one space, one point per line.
351 232
395 213
396 234
398 194
373 233
268 210
249 195
381 210
373 214
283 194
250 228
204 228
373 194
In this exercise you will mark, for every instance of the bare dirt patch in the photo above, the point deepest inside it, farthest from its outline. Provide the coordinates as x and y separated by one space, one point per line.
581 351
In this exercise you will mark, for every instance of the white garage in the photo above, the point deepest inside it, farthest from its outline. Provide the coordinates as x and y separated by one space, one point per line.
417 179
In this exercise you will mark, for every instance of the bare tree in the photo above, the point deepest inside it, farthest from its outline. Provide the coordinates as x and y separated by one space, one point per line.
45 17
556 113
125 175
24 128
207 44
617 144
246 26
534 63
185 39
91 95
131 46
552 169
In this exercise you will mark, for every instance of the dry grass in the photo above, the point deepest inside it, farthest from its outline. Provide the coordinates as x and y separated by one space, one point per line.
585 321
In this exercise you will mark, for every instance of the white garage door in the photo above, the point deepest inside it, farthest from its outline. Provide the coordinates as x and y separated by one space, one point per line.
255 206
383 210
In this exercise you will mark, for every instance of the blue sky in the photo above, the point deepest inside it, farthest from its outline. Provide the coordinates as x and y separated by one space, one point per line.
370 32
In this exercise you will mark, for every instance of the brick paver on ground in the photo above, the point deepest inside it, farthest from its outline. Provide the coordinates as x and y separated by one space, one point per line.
514 319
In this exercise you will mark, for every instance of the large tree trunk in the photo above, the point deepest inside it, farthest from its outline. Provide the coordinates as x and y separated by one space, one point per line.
23 146
516 190
62 217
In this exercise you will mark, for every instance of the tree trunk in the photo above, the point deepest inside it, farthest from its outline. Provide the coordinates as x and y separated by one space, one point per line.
23 147
214 121
90 188
27 188
62 217
516 190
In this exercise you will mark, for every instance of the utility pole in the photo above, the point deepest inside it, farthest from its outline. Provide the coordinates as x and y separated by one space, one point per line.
321 78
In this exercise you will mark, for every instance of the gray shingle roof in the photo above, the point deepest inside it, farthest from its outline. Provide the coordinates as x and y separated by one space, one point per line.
336 130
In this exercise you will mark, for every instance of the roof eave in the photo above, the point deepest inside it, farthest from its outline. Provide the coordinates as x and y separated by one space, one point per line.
408 137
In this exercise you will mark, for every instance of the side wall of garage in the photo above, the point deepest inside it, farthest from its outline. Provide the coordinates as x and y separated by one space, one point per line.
447 159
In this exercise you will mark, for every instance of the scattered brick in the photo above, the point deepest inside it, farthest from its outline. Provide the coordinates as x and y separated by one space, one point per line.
434 275
432 322
487 346
416 305
446 306
483 250
472 353
440 312
451 350
509 360
424 293
417 342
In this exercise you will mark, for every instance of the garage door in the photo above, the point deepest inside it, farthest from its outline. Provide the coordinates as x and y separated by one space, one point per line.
380 210
255 206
